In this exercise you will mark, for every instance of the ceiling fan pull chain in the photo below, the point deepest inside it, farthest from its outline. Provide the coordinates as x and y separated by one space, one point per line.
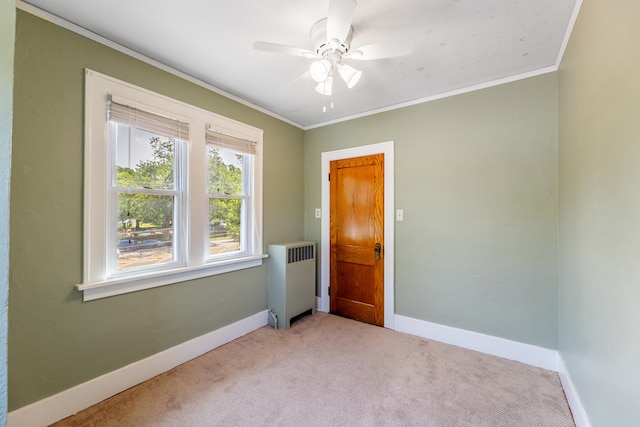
324 107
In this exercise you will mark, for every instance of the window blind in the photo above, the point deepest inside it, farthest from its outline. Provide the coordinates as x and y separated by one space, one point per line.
147 121
224 140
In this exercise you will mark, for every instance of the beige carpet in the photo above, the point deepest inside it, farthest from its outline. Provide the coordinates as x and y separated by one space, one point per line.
331 371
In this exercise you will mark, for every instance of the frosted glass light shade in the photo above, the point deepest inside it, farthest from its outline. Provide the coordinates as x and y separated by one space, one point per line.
350 75
325 87
320 70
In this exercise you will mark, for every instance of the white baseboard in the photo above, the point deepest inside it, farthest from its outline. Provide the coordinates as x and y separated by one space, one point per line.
512 350
68 402
579 414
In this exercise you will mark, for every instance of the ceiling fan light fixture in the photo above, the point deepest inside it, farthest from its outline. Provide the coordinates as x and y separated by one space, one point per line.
324 88
320 70
350 75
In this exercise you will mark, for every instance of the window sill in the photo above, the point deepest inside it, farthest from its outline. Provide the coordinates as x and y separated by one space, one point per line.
112 287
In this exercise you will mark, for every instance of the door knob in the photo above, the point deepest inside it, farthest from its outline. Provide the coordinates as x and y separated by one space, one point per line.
378 249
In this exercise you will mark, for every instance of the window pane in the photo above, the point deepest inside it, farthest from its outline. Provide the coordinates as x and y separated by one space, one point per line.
225 171
143 160
145 230
224 225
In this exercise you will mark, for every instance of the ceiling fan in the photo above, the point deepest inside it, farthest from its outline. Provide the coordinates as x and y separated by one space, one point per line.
331 39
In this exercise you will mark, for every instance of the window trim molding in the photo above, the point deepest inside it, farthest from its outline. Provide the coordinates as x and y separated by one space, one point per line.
96 284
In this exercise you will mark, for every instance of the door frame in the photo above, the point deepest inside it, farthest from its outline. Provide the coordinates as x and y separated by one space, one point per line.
386 148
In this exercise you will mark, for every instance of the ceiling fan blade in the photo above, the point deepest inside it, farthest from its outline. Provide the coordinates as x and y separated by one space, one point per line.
391 49
339 19
283 49
302 82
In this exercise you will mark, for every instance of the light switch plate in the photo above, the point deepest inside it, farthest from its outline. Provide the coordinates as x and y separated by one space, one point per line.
399 215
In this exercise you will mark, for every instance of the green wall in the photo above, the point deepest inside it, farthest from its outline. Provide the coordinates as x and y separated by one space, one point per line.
7 39
599 210
56 340
476 175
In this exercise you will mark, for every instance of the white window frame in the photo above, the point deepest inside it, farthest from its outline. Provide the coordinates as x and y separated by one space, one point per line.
194 247
247 184
180 212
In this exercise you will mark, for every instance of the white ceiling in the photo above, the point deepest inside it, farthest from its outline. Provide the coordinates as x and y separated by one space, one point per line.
458 44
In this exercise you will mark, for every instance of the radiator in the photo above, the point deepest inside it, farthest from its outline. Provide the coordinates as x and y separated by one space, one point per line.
291 281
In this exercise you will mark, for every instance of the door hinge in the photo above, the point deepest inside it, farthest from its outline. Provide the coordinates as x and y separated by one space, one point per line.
328 177
329 290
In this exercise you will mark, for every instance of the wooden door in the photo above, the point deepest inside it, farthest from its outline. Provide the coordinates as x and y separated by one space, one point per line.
357 238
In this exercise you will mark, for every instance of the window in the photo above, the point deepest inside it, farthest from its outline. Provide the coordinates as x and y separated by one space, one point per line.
147 177
172 192
229 189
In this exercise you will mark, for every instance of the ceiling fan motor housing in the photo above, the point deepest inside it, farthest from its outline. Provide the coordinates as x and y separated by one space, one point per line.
323 46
